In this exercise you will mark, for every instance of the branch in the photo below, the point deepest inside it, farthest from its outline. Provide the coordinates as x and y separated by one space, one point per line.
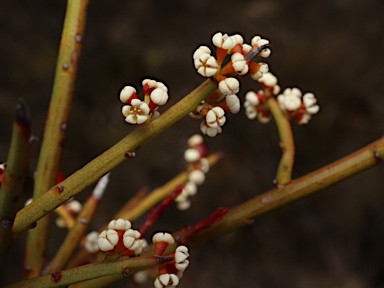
104 163
13 182
55 129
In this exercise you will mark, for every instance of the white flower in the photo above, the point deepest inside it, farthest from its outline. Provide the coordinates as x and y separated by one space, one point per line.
195 140
126 94
233 103
238 39
258 41
119 224
191 155
163 237
181 255
310 101
183 205
223 41
205 64
196 176
268 79
131 240
215 117
263 69
290 99
211 132
137 112
159 96
246 48
166 280
73 206
229 86
107 240
239 63
91 242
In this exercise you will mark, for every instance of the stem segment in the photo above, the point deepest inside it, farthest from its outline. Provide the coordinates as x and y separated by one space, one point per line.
55 129
284 172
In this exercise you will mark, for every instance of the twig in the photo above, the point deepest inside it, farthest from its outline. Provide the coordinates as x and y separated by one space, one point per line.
284 171
15 173
55 129
124 266
104 163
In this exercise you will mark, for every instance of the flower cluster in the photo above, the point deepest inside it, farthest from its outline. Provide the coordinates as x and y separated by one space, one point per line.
241 59
256 102
169 273
297 106
120 239
195 155
291 101
224 99
138 111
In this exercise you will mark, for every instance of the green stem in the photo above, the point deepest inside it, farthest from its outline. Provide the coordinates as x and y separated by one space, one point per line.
15 173
309 184
55 129
104 163
284 171
73 237
124 266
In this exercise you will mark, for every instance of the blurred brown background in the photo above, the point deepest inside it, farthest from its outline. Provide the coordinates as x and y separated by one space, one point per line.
333 48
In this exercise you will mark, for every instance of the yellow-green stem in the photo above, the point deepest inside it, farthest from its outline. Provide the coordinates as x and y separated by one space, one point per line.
284 171
15 173
104 163
124 266
309 184
72 240
55 129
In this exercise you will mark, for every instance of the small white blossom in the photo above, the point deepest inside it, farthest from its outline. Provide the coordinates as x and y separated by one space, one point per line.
159 96
246 48
131 240
119 224
166 280
268 79
107 240
310 101
196 176
126 94
163 237
229 86
290 99
237 39
183 205
239 63
263 69
91 240
137 112
223 41
205 64
211 132
181 256
233 103
195 140
191 155
215 117
258 41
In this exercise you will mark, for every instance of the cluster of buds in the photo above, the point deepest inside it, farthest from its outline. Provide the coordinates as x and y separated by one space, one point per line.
256 102
169 273
291 101
120 239
241 59
297 106
195 156
138 111
224 99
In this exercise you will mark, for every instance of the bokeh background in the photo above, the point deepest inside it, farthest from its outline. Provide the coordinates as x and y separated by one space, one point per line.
332 48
